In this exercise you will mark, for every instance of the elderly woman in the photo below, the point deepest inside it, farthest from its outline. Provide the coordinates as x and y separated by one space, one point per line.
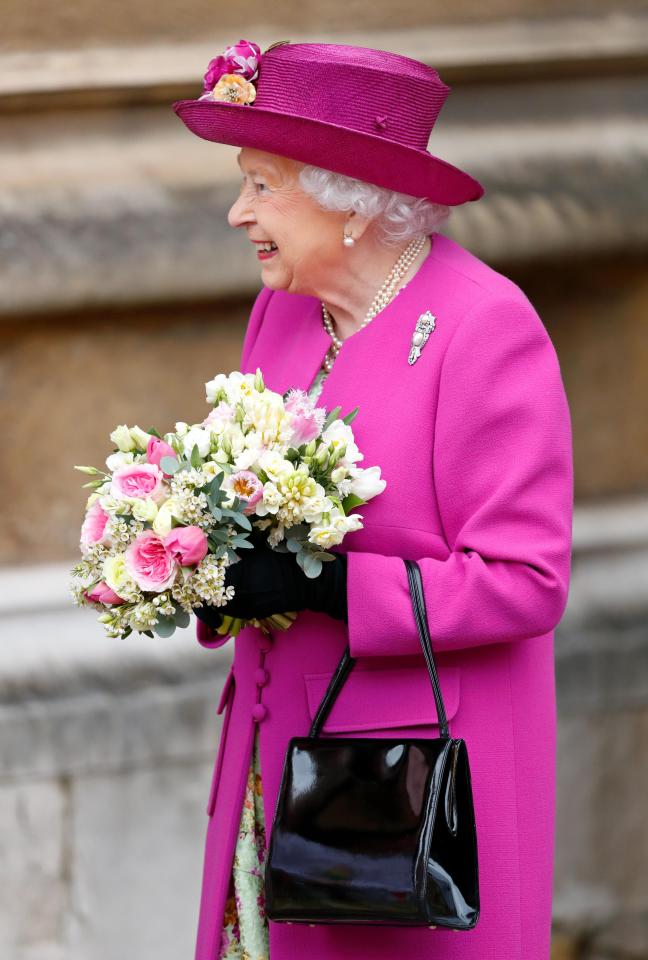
470 425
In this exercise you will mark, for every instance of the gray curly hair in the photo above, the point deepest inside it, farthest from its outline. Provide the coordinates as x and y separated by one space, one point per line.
398 217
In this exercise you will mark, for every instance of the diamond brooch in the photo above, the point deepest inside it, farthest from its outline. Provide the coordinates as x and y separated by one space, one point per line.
424 327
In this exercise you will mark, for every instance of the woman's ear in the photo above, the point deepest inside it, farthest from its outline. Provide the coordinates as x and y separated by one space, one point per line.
355 225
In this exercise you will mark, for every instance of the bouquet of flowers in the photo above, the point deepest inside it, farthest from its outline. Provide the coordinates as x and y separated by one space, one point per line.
169 514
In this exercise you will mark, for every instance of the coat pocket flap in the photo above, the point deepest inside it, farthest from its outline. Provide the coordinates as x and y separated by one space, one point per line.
229 680
380 699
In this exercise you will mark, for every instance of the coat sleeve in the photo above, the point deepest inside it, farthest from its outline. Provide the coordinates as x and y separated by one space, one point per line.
205 635
503 477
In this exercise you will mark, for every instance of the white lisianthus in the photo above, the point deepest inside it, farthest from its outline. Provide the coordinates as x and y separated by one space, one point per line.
329 534
140 438
121 437
144 509
196 436
339 434
163 520
117 460
273 464
339 474
366 483
211 469
215 389
181 428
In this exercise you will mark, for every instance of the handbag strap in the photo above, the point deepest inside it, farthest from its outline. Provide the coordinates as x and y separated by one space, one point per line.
347 662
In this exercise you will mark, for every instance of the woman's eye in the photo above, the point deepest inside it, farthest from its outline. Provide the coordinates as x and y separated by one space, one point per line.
261 185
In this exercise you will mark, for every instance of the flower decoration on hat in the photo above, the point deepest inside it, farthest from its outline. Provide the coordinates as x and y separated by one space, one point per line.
230 76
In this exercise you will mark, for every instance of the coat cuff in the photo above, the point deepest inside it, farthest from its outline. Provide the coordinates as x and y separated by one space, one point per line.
209 638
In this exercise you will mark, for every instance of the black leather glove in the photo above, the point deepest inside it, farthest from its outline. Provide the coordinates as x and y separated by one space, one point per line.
267 582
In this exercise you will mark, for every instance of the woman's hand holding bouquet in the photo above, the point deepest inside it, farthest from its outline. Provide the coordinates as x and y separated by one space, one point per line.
165 521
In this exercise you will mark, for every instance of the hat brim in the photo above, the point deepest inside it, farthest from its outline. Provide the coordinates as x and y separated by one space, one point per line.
364 156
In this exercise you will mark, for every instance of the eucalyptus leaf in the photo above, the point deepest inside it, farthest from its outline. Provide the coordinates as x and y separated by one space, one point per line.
233 555
240 542
312 566
242 521
169 465
216 512
221 536
293 545
165 627
181 618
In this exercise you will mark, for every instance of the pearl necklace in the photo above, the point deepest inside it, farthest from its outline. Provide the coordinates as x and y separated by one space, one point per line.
380 301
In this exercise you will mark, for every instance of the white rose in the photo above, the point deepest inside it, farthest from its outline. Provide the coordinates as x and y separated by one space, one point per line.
366 483
121 437
116 460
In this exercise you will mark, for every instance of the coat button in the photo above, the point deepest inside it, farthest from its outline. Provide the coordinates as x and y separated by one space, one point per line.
261 677
259 711
265 643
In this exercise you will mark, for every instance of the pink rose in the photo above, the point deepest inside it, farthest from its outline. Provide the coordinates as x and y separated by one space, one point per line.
220 415
101 593
138 480
188 545
156 449
94 525
247 486
306 419
243 58
149 563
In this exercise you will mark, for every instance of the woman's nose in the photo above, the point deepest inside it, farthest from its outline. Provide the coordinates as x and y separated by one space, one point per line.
240 211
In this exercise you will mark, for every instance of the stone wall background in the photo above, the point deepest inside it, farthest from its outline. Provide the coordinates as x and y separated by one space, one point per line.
122 290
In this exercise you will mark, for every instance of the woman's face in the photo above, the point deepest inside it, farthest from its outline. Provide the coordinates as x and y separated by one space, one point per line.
273 207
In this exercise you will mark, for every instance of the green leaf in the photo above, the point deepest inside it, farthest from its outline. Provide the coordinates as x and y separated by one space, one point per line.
220 551
169 465
232 555
147 633
351 501
196 459
292 454
154 433
333 415
350 417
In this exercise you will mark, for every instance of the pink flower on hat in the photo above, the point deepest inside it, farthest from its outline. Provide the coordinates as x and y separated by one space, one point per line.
243 58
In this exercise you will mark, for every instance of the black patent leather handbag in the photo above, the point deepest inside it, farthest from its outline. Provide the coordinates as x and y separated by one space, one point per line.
375 830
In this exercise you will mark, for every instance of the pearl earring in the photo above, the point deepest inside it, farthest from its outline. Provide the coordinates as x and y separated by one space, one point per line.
348 241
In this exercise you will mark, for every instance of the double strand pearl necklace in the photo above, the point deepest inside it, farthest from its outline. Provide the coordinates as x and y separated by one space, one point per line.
380 301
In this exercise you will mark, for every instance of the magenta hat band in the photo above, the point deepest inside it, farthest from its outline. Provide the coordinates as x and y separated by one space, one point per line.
357 111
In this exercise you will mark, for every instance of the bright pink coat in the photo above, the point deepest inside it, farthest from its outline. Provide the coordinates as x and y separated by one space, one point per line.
474 441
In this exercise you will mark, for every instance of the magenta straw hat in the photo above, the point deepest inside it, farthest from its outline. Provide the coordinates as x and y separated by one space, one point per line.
357 111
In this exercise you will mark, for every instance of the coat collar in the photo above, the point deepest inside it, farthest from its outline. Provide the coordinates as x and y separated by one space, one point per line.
392 328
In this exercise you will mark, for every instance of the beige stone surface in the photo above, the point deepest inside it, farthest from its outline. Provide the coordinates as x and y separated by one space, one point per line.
67 384
596 312
35 24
